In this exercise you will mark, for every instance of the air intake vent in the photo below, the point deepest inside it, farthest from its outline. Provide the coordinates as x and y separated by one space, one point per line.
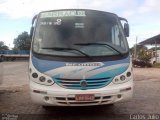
83 84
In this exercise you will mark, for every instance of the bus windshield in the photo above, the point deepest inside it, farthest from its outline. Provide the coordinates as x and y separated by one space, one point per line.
79 33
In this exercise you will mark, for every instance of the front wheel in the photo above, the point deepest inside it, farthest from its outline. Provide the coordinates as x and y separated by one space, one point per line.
46 107
110 105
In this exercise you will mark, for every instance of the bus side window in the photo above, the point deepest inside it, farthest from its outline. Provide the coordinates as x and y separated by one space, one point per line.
117 37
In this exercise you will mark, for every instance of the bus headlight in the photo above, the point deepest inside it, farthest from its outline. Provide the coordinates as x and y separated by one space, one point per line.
49 81
34 75
120 79
128 74
42 79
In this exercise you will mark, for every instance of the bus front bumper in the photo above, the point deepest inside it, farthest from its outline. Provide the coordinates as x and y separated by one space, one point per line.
50 96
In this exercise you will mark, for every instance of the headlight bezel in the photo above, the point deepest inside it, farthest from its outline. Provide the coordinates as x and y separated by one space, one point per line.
39 78
122 78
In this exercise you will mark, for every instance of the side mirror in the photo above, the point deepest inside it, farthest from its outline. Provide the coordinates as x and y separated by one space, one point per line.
126 29
31 32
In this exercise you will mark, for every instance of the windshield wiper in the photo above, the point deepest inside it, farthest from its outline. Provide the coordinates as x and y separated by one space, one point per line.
66 49
87 44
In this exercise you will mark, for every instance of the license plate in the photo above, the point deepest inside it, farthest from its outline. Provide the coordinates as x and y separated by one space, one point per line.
84 97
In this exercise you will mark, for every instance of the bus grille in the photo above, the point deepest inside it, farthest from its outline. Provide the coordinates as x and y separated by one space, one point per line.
77 83
71 101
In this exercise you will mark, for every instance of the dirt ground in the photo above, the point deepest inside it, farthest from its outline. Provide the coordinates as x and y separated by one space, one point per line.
15 99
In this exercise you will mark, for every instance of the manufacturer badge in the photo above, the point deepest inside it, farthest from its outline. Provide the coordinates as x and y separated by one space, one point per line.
83 84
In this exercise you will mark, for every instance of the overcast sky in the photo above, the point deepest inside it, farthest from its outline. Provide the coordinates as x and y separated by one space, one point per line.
143 15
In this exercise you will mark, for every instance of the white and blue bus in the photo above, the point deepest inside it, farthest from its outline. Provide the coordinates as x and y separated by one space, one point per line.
79 57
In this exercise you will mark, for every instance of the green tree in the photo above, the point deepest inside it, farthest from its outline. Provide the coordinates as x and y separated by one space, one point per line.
22 42
138 49
144 55
3 46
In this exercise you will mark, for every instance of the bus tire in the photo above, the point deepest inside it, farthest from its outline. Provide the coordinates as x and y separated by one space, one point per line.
110 105
46 107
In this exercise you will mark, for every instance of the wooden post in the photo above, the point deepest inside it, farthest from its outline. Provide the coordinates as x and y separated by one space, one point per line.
156 50
135 49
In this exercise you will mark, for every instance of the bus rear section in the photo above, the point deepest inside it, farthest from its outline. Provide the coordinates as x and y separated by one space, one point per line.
79 58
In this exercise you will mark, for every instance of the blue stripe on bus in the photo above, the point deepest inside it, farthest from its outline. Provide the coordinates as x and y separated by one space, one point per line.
46 65
110 73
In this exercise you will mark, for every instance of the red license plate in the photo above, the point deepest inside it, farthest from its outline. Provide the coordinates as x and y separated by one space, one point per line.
84 97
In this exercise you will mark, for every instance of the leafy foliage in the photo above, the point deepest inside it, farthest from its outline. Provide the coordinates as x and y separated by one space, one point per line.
144 55
138 48
3 46
22 42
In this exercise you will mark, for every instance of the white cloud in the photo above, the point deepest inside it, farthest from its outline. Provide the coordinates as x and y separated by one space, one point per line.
27 8
17 9
137 12
142 33
150 6
129 13
8 38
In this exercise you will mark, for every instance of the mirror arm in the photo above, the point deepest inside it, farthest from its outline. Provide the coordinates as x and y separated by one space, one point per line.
34 19
120 18
32 28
